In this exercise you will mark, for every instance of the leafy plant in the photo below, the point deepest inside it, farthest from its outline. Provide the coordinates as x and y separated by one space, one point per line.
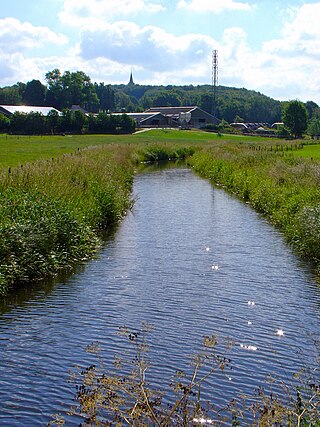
126 396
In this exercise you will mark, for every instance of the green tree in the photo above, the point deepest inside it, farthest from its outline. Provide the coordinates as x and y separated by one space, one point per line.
295 118
127 124
35 123
10 95
52 120
18 122
206 102
311 107
314 128
54 95
67 89
80 120
34 93
106 97
4 123
122 101
66 121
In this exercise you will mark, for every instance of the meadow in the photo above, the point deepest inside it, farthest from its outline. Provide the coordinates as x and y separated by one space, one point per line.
16 150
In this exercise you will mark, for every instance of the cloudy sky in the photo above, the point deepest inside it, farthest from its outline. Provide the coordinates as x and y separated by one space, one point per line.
271 46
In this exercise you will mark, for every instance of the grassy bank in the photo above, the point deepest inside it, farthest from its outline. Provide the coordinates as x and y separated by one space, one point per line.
52 209
286 189
16 150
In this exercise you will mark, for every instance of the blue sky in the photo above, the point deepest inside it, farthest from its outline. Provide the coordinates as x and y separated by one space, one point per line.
269 46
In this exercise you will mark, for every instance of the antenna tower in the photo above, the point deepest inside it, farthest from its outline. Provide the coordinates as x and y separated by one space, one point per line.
214 81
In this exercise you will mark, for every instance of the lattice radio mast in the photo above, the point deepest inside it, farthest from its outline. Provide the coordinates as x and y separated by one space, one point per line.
214 81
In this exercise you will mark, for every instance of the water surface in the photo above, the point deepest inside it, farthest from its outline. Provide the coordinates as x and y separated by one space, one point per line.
190 259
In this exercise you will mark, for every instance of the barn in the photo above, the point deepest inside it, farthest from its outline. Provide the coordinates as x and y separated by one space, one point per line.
146 119
9 110
191 116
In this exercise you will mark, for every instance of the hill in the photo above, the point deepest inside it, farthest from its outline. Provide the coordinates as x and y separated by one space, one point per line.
62 90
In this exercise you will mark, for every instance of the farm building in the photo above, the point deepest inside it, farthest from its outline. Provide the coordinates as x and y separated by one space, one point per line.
191 116
149 119
8 110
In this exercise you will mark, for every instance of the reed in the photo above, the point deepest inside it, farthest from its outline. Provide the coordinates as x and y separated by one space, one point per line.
52 211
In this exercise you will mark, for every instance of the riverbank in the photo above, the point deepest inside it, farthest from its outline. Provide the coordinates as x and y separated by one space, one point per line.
53 210
284 188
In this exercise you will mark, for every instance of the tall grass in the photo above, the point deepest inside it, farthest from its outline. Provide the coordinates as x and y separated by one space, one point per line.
51 211
285 189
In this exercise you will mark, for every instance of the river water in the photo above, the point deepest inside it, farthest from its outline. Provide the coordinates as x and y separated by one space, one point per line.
190 259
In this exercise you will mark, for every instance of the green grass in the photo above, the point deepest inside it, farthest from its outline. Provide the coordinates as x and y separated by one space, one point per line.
85 181
309 151
19 150
52 211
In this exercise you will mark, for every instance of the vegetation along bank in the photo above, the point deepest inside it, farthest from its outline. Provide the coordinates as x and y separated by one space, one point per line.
282 186
53 210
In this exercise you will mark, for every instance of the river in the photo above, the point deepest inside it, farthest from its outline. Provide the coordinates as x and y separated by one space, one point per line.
190 259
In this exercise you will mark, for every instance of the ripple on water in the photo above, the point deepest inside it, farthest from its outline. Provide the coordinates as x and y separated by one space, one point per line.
191 260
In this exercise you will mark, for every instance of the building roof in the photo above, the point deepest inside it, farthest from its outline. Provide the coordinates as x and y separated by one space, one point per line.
140 118
11 109
75 107
171 111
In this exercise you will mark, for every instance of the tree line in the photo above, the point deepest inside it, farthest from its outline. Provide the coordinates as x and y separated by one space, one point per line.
35 123
62 90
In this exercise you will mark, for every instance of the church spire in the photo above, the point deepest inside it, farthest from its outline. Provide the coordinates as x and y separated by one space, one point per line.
131 82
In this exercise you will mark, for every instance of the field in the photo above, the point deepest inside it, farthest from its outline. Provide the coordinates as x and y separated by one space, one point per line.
19 150
311 151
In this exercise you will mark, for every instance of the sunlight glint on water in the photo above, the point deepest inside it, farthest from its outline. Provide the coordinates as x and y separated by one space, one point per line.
189 259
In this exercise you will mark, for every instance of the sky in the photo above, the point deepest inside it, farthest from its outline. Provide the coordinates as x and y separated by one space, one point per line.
272 46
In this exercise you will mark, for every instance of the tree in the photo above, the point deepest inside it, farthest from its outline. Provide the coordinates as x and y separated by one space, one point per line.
54 95
35 123
18 122
34 93
295 118
71 88
4 123
52 120
10 95
206 102
66 121
80 120
311 107
122 101
106 97
314 128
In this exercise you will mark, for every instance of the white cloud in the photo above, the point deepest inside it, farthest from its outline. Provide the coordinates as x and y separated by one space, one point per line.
149 47
16 36
284 68
16 67
215 6
294 59
81 12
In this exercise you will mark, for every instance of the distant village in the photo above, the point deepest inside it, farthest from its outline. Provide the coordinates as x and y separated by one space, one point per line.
233 107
